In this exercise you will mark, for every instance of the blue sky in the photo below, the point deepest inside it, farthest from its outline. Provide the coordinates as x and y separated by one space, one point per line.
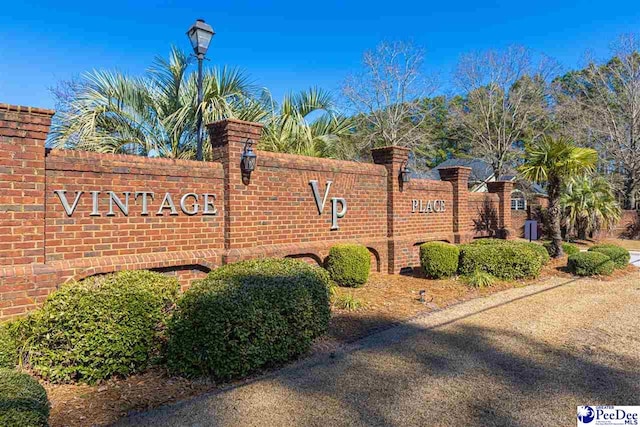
282 45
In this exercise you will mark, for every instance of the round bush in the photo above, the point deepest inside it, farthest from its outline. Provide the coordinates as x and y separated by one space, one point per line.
23 401
102 326
619 255
505 261
439 259
349 265
568 248
247 316
590 264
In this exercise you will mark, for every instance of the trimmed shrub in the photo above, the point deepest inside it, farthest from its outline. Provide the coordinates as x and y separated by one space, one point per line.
247 316
102 326
439 259
8 347
619 255
568 248
505 261
23 401
489 241
590 264
479 279
544 256
349 264
537 248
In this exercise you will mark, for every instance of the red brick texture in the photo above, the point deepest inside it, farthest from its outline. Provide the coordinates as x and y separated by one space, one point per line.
270 213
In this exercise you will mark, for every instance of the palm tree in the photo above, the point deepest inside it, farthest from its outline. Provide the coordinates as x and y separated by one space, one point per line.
156 113
589 206
305 123
555 161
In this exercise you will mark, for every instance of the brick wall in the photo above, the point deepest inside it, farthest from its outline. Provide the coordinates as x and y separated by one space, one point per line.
67 215
23 131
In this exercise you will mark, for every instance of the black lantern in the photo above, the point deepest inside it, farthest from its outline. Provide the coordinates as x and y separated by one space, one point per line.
405 172
200 35
248 160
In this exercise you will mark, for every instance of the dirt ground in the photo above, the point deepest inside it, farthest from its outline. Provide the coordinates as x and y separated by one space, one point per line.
387 301
526 356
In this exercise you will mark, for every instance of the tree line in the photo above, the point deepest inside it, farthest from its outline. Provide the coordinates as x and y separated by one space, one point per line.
501 102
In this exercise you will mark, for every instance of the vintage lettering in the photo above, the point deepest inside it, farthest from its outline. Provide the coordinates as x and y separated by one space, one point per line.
124 207
121 203
195 206
209 209
62 194
145 203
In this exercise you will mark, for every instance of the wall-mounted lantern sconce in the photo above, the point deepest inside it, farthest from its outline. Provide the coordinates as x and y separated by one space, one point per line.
248 160
405 173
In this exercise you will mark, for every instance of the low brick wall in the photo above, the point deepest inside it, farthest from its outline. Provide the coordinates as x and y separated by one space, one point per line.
67 215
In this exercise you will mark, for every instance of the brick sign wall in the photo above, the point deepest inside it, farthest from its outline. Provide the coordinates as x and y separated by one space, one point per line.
66 215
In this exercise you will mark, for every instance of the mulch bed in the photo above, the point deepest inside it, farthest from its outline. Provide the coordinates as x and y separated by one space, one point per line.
387 300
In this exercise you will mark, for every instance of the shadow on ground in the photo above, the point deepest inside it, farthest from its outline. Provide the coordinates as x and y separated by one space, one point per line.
493 372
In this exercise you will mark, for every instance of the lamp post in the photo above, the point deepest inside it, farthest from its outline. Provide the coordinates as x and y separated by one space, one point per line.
200 35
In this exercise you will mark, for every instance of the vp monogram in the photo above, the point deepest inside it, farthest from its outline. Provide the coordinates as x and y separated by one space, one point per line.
335 213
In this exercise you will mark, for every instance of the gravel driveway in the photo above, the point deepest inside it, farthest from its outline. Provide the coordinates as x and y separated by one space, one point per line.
522 357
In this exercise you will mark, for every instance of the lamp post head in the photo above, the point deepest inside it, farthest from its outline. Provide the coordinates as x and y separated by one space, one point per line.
200 35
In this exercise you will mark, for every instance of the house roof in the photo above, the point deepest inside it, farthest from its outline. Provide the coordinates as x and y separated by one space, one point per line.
481 171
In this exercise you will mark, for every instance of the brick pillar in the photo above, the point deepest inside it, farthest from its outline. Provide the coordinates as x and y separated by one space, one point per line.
503 189
228 137
23 131
392 158
458 176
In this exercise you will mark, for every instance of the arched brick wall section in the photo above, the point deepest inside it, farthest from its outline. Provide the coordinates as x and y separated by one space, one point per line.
375 259
309 258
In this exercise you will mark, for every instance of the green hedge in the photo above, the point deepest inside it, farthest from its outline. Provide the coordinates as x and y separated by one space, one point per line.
349 264
489 241
439 259
23 401
590 264
102 326
619 255
568 248
247 316
8 347
537 248
504 260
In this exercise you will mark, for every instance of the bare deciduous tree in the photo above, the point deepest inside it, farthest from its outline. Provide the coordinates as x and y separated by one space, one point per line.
505 101
387 95
599 106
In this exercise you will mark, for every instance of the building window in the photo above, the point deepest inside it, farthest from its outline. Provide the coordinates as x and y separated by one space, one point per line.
518 201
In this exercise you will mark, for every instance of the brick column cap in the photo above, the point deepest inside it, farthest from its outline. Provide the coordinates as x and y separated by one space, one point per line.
498 186
28 110
390 154
236 121
453 173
